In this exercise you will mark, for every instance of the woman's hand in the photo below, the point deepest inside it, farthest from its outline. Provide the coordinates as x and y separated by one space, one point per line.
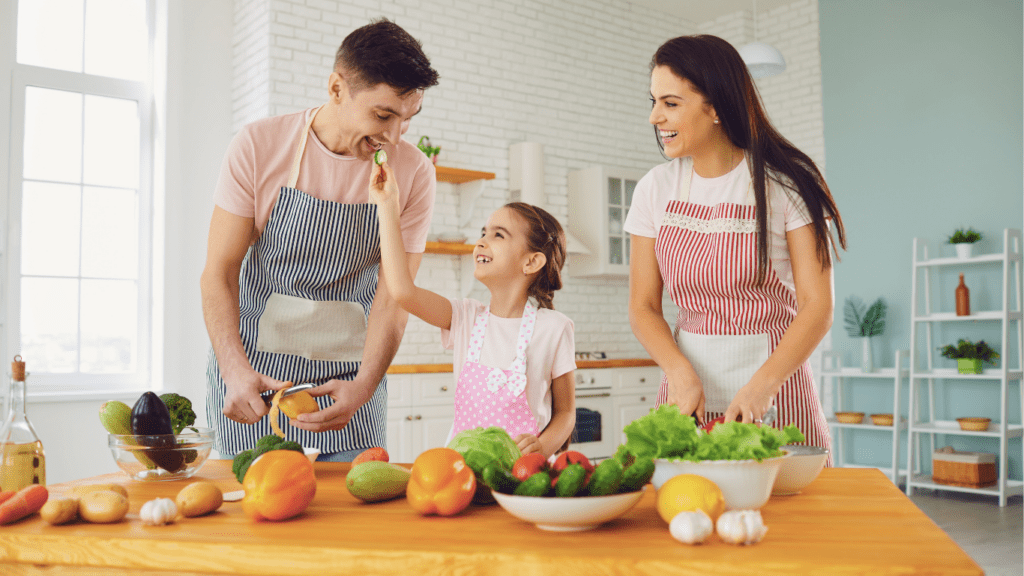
383 186
752 401
686 391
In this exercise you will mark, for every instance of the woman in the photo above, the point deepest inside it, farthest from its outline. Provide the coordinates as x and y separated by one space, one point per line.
736 227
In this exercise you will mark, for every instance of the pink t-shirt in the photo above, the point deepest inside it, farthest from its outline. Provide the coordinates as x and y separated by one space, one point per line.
550 354
259 159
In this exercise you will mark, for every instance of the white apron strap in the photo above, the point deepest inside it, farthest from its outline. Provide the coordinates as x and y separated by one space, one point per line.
293 175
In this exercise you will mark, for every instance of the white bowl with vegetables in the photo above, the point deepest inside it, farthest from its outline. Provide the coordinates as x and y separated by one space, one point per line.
800 469
745 484
568 514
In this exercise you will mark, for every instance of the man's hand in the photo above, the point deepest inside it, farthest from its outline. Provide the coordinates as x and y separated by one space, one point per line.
242 402
348 396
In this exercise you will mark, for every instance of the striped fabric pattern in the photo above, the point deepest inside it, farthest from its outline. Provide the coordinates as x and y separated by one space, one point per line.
707 256
317 250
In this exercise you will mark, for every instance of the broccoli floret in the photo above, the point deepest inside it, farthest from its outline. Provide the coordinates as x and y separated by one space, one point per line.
289 445
240 465
267 442
181 411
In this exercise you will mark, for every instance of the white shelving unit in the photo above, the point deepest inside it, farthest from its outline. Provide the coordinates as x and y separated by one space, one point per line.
832 369
924 320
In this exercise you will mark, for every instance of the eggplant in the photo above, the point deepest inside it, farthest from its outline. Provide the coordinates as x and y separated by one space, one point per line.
152 419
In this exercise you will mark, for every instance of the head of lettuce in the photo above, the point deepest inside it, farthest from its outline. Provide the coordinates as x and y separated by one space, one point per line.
481 446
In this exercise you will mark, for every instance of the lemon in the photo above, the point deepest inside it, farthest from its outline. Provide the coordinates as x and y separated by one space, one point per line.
689 492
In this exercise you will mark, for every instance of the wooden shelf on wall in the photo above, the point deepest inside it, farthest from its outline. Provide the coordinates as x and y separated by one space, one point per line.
453 248
460 176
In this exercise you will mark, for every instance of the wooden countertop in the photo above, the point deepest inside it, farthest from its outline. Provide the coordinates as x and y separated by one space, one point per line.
580 365
848 522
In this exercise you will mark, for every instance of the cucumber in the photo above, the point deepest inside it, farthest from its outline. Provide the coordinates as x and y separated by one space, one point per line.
380 156
538 484
637 475
499 479
606 478
570 480
376 481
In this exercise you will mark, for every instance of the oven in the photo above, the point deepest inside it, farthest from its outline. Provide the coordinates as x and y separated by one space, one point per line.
593 435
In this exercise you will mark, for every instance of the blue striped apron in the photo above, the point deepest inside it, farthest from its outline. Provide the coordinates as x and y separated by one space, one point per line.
301 288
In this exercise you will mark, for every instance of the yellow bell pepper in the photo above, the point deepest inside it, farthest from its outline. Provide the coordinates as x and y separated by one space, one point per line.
441 483
278 486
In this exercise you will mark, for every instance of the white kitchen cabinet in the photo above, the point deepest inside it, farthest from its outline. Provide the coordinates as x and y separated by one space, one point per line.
421 408
632 405
930 423
599 198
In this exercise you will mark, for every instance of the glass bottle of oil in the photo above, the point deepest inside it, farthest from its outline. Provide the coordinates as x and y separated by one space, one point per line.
22 460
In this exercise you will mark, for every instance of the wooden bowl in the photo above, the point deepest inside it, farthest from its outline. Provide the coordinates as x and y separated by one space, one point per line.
850 417
974 424
882 419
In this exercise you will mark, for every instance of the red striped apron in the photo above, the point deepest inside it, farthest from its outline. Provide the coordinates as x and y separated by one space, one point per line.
727 325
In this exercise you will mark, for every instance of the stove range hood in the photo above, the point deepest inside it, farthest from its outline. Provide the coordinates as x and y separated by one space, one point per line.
526 184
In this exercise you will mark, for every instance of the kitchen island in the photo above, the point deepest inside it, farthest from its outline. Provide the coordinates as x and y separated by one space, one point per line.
849 521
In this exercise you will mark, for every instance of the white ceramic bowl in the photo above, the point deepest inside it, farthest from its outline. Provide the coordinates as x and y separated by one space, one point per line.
800 469
311 453
568 514
745 484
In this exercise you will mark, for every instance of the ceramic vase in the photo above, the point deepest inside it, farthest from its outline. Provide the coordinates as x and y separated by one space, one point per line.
968 365
964 249
867 363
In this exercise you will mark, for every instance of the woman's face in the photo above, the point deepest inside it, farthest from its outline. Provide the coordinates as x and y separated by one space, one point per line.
685 121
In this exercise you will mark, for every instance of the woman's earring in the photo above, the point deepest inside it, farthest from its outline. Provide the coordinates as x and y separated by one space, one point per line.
716 120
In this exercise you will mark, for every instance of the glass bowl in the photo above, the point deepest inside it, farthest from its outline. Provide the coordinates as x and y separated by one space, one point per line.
163 456
800 469
745 484
568 514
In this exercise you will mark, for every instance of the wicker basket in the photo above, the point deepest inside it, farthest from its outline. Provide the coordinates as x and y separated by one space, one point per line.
850 417
965 469
882 419
974 424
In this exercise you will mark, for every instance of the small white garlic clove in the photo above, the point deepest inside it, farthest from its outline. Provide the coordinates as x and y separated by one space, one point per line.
158 512
691 527
741 527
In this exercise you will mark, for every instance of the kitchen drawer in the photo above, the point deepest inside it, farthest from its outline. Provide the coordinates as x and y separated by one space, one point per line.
638 379
434 389
599 378
399 390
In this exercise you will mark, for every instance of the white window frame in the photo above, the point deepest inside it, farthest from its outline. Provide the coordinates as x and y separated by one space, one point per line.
74 385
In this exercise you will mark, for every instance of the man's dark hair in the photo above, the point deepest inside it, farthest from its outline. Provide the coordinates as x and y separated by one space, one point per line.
382 52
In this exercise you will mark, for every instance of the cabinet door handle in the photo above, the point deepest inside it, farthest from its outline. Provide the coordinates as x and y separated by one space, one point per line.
643 398
642 380
444 388
419 417
594 395
409 417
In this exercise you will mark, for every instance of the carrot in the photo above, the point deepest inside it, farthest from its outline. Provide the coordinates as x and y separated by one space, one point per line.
25 502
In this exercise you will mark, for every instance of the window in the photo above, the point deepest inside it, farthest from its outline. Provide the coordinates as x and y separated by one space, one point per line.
77 288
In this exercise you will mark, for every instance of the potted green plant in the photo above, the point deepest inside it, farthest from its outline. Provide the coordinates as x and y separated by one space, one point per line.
864 322
963 240
426 148
969 355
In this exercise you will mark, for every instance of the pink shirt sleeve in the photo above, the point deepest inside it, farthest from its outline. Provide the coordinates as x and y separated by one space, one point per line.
236 185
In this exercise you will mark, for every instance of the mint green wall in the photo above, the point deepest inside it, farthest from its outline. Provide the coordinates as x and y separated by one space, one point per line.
923 134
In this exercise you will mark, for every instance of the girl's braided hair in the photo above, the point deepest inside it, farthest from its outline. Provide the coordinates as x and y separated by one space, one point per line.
544 235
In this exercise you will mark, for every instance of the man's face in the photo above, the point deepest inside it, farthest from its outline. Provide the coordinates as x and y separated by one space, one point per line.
371 118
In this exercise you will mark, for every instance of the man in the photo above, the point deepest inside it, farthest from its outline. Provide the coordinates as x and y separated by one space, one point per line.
290 284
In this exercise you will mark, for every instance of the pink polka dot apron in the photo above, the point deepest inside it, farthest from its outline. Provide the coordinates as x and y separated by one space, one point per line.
728 325
487 396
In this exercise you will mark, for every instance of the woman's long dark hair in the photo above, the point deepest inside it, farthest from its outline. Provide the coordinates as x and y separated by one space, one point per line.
716 70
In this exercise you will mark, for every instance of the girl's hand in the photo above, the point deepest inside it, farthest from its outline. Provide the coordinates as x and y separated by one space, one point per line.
686 391
528 444
751 402
383 185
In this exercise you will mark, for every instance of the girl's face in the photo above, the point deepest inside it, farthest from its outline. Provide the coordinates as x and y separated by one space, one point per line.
501 251
685 121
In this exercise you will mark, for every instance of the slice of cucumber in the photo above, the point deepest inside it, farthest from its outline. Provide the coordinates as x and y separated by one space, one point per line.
380 156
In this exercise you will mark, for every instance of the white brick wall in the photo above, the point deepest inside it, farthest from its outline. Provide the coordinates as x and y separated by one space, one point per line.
572 75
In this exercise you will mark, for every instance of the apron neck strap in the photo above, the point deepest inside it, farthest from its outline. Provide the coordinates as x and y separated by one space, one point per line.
476 339
293 175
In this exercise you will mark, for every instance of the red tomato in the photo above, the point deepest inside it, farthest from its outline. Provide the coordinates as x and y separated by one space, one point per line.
708 426
571 457
375 453
529 465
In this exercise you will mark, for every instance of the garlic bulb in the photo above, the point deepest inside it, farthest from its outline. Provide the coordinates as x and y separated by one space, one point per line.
691 527
158 512
741 527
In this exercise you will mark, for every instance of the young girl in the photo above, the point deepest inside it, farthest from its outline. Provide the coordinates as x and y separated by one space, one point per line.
514 362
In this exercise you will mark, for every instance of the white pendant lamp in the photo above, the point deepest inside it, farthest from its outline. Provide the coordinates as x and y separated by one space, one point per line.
761 59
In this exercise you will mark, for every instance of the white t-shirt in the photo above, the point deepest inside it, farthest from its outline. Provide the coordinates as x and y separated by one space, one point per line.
786 210
550 354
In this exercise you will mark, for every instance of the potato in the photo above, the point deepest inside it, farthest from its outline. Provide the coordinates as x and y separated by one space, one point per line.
79 491
199 498
59 511
102 507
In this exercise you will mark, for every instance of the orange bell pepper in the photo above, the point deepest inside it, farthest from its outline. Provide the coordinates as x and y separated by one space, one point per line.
278 486
441 483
